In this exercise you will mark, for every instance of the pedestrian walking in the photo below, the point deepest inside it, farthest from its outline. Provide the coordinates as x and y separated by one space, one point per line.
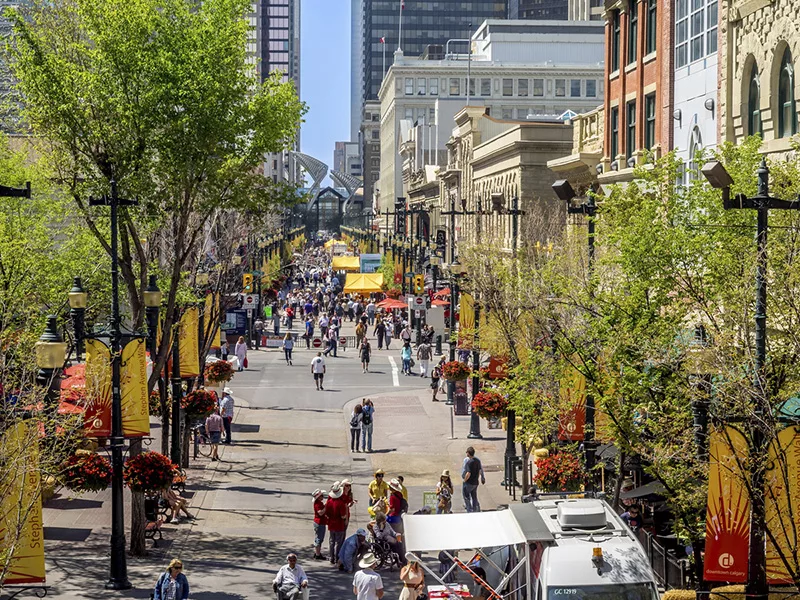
240 350
336 513
259 329
226 412
367 422
471 472
380 333
424 354
291 582
288 345
365 351
371 312
172 584
355 427
389 329
318 370
444 494
378 488
323 326
413 578
405 354
276 320
226 350
367 584
405 334
361 332
309 334
214 426
436 378
320 523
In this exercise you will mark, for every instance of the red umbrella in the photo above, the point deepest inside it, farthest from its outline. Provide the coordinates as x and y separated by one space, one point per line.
391 304
438 302
442 293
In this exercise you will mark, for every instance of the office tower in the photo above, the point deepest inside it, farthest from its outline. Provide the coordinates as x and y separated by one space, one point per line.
274 45
347 158
556 10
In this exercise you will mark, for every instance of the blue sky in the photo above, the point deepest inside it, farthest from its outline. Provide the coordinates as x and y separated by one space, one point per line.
325 75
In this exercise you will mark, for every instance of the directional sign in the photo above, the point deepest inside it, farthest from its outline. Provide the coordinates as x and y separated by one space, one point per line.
342 341
316 343
419 301
249 301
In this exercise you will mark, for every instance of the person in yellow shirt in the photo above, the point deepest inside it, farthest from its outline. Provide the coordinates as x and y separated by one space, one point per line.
403 489
378 488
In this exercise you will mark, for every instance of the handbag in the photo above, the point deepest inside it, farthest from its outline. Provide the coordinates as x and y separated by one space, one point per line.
244 362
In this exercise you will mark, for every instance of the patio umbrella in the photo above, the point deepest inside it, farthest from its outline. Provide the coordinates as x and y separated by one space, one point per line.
438 302
445 293
391 304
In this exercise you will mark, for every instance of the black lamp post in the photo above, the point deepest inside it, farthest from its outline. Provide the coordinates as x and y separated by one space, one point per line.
51 352
177 393
757 587
474 419
455 272
152 303
564 191
78 299
118 579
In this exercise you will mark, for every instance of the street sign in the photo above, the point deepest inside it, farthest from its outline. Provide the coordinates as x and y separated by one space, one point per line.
419 313
317 343
342 341
410 275
419 301
249 301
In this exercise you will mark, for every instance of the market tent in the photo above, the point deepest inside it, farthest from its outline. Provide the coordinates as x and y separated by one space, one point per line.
363 283
392 304
351 264
330 243
461 531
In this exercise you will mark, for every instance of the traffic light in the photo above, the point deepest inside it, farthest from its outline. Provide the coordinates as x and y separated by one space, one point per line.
247 283
419 285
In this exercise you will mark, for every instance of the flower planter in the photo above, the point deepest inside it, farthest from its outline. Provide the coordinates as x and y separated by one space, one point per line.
455 371
86 472
148 472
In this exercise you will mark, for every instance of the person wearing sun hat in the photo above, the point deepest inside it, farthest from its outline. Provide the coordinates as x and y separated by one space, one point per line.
352 548
336 514
320 522
226 412
367 584
444 493
397 506
378 488
347 496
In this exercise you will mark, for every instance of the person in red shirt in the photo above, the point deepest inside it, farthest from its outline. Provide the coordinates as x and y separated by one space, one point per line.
320 523
395 514
347 496
336 513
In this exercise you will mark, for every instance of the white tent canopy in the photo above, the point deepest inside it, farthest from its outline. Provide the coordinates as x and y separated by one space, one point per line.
461 531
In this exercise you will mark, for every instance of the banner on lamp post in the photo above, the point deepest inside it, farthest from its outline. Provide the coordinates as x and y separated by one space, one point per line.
782 517
572 391
133 390
21 526
189 343
211 320
728 511
466 321
97 417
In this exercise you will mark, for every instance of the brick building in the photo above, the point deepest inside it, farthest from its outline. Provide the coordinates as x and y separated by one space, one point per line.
638 74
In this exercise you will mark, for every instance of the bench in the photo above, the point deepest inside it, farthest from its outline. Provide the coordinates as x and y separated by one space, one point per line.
155 512
179 481
152 531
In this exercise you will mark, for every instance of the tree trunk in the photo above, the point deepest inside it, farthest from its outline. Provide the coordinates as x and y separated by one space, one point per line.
165 420
698 547
138 541
618 482
185 435
526 476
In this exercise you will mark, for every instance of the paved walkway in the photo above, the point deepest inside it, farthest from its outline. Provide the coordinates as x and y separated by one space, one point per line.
254 506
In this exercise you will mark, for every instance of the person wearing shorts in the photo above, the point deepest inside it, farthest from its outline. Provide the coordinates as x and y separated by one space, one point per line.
214 426
318 370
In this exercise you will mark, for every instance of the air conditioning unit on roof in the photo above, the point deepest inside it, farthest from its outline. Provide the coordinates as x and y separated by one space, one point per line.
581 514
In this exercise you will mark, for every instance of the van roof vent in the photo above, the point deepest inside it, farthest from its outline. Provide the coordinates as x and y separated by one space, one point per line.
581 514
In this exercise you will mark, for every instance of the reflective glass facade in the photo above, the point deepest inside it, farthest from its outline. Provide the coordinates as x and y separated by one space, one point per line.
540 10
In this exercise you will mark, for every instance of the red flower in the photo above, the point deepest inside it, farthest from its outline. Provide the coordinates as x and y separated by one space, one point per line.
455 371
219 371
560 472
86 473
489 404
199 403
148 472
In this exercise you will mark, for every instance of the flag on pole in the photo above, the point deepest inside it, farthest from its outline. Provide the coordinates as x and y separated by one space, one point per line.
402 4
383 40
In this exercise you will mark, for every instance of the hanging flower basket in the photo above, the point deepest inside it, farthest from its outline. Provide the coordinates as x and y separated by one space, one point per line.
561 472
199 404
148 472
87 472
219 371
489 404
455 371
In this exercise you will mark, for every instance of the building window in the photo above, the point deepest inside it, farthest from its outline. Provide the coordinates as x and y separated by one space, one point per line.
649 121
538 87
574 88
409 86
650 44
486 87
695 146
422 85
455 86
433 87
614 132
410 114
695 30
630 132
681 33
472 91
522 87
508 114
633 29
615 26
754 104
376 135
698 26
591 88
787 115
561 88
712 21
508 87
432 115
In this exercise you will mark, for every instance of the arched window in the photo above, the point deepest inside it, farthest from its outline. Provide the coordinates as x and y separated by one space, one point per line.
754 104
787 115
695 146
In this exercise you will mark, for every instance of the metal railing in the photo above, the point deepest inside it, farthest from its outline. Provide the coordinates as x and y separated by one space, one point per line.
671 572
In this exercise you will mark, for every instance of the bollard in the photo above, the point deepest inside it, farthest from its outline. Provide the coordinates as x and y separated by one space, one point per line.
438 345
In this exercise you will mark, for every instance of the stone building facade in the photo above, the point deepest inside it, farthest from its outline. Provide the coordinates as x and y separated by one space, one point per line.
759 44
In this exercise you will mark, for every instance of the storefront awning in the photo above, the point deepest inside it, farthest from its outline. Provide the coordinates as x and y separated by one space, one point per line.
363 283
350 264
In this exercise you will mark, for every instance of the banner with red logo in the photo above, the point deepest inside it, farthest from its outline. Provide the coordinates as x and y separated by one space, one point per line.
728 512
498 368
572 391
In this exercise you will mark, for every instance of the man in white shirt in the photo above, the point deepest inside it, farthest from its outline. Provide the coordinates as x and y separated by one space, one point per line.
367 584
318 370
291 581
226 412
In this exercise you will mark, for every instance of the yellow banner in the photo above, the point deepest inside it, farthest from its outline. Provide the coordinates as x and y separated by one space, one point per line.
211 319
133 389
189 343
97 418
21 528
466 321
572 392
782 516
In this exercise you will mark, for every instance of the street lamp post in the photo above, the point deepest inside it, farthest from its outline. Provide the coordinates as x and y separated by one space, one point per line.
118 579
474 419
78 299
177 393
757 587
455 272
51 353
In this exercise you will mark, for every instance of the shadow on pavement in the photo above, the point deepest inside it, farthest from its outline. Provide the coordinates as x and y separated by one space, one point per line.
66 534
72 503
